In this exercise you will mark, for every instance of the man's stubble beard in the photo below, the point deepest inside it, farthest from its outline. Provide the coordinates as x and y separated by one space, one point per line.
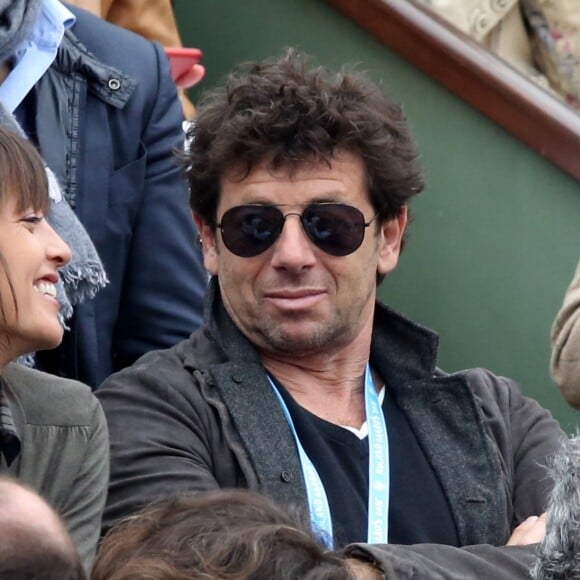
275 339
339 330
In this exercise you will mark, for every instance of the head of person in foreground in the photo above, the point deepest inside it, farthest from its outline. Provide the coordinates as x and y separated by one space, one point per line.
34 543
215 535
559 552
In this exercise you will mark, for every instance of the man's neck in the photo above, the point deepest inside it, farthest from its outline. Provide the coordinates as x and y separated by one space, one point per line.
329 386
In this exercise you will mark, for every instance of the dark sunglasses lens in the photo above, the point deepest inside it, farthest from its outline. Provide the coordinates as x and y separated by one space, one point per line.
335 228
249 230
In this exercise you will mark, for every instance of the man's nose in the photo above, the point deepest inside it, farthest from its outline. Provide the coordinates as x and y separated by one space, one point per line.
293 249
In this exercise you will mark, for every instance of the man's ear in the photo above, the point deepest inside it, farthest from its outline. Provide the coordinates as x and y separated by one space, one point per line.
390 239
207 236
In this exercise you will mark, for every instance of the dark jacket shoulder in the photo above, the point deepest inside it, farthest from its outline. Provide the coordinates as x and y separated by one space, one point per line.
115 46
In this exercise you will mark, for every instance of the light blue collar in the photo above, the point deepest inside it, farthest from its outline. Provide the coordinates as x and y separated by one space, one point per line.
34 55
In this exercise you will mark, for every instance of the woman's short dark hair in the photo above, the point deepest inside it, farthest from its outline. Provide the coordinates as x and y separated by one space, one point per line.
287 112
223 534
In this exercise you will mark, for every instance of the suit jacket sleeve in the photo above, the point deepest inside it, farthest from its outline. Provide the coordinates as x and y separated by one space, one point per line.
438 562
565 364
161 436
164 280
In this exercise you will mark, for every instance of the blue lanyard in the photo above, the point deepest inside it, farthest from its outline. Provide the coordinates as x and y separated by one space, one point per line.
379 473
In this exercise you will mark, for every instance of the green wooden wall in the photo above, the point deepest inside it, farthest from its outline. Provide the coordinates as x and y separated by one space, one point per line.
496 234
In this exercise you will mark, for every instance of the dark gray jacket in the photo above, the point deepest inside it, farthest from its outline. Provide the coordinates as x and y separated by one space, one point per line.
64 451
202 415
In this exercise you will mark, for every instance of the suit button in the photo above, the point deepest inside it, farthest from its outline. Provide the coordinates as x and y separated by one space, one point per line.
114 84
285 477
237 379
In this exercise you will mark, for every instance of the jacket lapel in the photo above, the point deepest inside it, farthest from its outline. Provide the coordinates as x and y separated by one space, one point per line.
448 424
263 430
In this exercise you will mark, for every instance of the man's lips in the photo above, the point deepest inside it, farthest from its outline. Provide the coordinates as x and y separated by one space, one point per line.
295 299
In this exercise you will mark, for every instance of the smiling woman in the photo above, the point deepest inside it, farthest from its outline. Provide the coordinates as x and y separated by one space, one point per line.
43 416
30 254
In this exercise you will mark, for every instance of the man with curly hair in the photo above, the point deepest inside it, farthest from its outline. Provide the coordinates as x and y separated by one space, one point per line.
301 384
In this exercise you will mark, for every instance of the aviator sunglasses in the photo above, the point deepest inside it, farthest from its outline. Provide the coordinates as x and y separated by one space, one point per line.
335 228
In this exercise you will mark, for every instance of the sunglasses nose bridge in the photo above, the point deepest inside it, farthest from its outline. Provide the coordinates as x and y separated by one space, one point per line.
293 245
299 215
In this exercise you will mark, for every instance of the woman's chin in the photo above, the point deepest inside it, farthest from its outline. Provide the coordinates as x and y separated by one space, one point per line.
47 341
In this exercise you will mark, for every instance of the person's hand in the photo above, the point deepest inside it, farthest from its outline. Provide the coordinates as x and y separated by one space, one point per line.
363 570
191 77
530 531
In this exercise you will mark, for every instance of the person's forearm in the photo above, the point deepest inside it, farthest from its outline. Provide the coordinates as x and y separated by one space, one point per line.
565 362
441 562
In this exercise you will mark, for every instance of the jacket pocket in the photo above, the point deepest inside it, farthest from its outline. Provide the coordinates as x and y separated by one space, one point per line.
128 182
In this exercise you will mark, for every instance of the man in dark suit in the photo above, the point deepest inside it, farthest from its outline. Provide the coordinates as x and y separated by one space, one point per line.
99 103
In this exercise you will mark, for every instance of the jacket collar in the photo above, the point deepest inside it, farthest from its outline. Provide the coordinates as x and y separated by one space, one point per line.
108 83
402 350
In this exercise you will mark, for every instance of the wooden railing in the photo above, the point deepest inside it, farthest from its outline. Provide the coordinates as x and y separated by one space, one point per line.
487 83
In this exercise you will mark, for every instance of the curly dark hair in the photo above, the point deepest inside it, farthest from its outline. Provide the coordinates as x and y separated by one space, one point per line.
288 112
218 535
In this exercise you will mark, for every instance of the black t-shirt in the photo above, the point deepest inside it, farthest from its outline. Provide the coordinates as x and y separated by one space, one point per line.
418 509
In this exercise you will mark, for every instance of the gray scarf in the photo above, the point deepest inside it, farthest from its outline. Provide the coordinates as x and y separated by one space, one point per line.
17 17
84 275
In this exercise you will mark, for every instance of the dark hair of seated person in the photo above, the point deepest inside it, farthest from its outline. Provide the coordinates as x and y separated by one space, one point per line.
226 534
558 556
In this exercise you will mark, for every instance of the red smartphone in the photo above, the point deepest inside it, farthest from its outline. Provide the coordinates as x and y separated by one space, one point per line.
182 60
